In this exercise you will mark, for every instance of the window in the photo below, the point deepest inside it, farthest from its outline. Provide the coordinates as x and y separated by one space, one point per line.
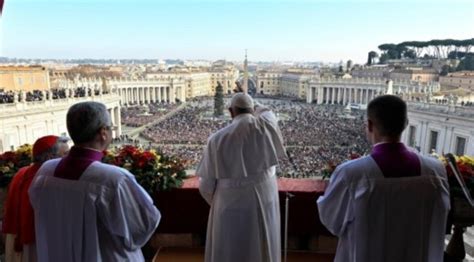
411 136
460 146
433 141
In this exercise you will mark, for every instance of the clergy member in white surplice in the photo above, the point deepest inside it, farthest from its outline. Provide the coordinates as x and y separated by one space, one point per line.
86 210
237 179
391 205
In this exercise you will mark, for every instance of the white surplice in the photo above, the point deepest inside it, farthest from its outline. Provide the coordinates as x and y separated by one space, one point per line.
237 178
103 216
386 219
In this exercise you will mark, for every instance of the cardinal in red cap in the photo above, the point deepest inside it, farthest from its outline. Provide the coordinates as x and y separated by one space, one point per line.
18 223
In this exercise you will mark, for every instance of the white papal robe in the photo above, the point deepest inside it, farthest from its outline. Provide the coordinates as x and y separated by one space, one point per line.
237 178
103 216
386 219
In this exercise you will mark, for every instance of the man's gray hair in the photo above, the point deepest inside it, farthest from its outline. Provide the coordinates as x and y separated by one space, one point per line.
85 119
50 153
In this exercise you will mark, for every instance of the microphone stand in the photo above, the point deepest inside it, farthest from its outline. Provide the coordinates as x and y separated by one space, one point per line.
457 174
287 207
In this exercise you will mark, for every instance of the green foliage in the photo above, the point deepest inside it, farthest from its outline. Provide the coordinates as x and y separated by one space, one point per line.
153 171
445 70
409 54
371 56
466 64
341 69
436 48
219 101
383 58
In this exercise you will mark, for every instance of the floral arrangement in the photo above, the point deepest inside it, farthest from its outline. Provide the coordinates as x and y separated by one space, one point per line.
153 171
12 161
466 168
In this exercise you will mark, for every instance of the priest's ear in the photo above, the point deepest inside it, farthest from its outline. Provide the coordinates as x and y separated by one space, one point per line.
103 133
232 114
370 126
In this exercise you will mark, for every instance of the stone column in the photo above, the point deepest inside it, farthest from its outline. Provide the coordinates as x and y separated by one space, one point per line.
183 93
142 95
118 121
309 94
326 90
320 91
125 92
344 100
172 95
152 95
366 96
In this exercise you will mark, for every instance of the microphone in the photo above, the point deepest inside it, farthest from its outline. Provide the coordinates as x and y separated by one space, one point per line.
450 157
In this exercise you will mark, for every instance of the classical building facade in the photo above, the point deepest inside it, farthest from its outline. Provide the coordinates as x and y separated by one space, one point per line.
294 84
196 83
24 122
268 82
200 81
462 79
359 90
415 74
375 71
24 78
291 82
440 129
225 76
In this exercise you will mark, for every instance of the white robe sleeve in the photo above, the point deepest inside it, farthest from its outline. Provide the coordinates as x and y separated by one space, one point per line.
129 214
277 137
206 172
335 207
207 186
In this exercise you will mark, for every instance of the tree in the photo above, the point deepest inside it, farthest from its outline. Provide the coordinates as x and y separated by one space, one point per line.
409 54
219 101
466 64
370 59
383 58
445 70
348 65
341 69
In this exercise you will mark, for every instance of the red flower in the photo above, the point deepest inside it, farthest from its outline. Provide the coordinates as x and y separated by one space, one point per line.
9 157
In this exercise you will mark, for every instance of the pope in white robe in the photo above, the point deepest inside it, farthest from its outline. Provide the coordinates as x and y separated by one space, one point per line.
237 179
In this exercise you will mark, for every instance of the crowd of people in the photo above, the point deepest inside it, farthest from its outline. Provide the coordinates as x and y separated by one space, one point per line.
141 115
7 97
315 135
189 126
40 95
